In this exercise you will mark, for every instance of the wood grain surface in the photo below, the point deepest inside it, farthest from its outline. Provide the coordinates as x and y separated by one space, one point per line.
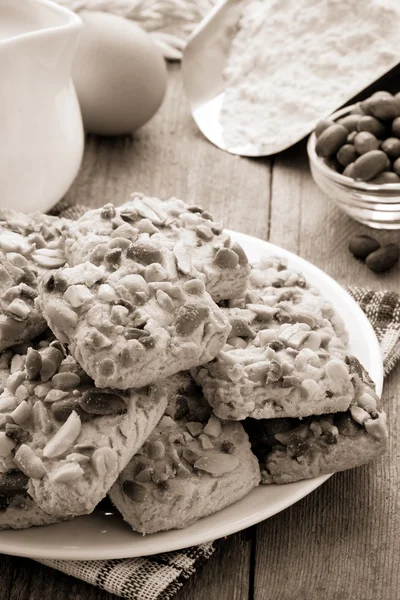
343 541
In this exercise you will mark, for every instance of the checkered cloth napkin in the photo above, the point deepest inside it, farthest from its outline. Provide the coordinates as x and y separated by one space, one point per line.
159 577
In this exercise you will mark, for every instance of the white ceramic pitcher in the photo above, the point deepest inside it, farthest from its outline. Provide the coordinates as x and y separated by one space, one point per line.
41 133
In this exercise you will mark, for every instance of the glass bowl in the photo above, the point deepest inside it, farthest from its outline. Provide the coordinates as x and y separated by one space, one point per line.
376 205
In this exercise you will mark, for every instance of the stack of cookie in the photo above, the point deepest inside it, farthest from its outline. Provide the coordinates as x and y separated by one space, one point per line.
143 357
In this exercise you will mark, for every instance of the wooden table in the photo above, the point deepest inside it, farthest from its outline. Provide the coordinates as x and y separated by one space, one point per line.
343 541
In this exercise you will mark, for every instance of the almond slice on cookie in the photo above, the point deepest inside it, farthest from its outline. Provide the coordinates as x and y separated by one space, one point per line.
194 244
192 465
286 354
293 449
29 246
63 442
127 332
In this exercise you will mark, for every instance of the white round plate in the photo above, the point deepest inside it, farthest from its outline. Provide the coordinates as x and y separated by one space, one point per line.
104 535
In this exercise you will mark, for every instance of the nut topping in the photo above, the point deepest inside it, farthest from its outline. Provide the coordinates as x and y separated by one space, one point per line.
22 413
30 464
204 232
65 381
33 364
18 309
274 372
165 423
64 438
263 312
228 447
51 361
16 433
135 490
41 419
237 248
60 316
14 381
205 441
180 470
226 258
183 258
66 473
240 328
96 402
189 317
104 460
217 464
13 483
359 414
165 301
213 427
156 450
107 367
106 293
155 272
6 444
62 409
377 427
77 295
194 428
336 370
157 218
144 476
48 258
145 253
108 211
194 286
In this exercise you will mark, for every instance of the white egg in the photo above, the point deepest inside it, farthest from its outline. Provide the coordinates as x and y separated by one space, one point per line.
119 74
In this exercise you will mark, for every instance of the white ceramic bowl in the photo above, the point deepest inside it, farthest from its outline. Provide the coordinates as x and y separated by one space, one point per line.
377 206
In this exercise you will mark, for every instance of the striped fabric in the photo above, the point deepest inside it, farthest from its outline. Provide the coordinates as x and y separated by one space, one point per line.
383 310
150 578
159 577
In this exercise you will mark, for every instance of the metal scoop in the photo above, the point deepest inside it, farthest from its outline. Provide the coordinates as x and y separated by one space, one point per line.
203 64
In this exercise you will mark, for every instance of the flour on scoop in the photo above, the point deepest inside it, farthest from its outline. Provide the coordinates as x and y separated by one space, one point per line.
293 63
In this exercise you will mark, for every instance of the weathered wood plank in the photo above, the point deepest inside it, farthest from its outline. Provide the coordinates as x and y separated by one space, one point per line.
226 575
7 564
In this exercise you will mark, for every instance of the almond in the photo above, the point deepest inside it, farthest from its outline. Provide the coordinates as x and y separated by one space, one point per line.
66 473
64 438
104 461
30 464
217 464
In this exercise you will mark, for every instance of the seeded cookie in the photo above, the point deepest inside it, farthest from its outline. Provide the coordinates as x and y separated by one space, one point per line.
192 465
29 245
276 289
184 240
294 449
63 442
127 332
283 357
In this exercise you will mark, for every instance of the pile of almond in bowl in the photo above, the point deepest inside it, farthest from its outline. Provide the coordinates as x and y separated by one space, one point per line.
144 358
364 144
